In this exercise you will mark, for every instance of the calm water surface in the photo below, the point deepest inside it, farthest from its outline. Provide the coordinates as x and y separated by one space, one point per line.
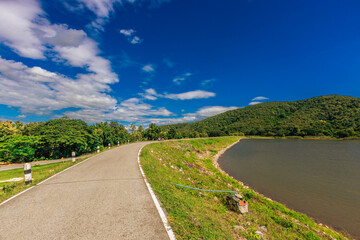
320 178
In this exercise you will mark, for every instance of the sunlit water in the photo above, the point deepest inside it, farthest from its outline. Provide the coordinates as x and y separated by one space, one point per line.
320 178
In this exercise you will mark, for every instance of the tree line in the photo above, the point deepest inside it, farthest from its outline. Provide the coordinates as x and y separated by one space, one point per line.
58 138
332 116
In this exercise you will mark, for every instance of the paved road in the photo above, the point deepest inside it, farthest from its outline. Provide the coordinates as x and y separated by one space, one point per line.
102 198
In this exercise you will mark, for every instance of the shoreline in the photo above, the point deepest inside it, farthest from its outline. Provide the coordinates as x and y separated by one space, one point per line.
215 161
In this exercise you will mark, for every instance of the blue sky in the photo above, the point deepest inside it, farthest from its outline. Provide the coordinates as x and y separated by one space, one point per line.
170 61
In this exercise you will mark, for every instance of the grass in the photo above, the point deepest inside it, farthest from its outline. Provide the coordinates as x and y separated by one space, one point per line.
204 215
39 173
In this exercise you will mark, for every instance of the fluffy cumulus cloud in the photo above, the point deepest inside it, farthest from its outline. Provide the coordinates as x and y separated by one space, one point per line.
17 25
130 110
38 91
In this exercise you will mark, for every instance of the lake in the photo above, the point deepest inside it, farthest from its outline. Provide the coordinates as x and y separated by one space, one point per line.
316 177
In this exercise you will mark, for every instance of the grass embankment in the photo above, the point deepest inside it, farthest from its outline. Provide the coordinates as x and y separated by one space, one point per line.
39 173
204 215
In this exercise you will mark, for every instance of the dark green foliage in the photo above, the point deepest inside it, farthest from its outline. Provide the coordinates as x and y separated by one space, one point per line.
333 116
19 148
153 132
57 138
62 136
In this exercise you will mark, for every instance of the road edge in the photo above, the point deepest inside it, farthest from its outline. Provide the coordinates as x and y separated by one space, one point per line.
156 201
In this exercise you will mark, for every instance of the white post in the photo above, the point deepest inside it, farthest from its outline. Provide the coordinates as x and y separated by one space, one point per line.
98 149
27 172
109 145
118 143
73 157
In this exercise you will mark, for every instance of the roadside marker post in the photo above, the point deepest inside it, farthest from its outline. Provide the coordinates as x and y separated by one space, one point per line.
118 143
27 172
73 157
109 145
98 149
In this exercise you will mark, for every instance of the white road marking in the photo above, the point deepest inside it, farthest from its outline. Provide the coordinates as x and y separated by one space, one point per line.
157 203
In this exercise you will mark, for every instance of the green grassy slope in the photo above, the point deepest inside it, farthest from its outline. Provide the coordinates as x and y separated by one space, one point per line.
204 215
332 115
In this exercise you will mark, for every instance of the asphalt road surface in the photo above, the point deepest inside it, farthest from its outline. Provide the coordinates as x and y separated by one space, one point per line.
102 198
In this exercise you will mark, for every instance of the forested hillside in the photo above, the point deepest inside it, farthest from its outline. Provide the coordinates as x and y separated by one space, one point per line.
332 115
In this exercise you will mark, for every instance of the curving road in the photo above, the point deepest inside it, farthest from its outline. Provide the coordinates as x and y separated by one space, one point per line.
102 198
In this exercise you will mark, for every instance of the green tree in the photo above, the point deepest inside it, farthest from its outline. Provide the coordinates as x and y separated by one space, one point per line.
152 132
62 136
16 148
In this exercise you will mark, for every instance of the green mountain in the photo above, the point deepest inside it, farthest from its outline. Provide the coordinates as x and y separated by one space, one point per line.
332 115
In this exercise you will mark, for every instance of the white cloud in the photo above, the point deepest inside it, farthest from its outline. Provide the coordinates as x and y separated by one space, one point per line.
15 70
17 23
103 9
200 114
257 100
260 98
213 110
150 91
136 40
24 28
130 110
38 91
254 103
86 56
148 68
127 32
180 79
190 95
20 87
151 94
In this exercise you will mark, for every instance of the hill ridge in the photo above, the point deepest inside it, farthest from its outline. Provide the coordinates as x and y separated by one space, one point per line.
329 115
